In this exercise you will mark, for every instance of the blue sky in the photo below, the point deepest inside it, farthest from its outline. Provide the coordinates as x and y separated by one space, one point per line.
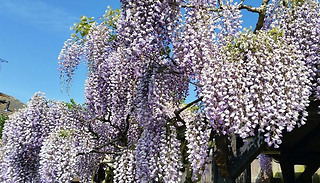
32 32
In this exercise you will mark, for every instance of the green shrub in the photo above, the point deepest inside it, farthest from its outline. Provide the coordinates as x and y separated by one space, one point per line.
3 118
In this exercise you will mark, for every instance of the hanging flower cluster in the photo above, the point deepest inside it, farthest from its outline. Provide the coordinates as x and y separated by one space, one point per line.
197 135
125 167
65 155
69 59
301 25
256 82
23 135
192 44
170 157
48 142
138 72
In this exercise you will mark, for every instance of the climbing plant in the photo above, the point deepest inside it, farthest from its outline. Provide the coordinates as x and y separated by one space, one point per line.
141 61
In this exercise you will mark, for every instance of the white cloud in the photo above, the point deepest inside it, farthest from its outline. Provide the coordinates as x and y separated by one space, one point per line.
38 13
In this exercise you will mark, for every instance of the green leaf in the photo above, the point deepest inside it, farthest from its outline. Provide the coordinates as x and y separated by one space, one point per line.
83 18
3 119
66 133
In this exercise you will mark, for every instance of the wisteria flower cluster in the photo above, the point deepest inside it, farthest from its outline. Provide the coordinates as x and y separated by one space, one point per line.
258 82
48 142
301 25
69 59
65 154
125 167
139 73
198 137
23 135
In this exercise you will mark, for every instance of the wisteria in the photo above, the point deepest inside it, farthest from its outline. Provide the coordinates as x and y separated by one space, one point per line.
147 159
193 47
266 166
125 167
65 152
23 136
39 138
301 25
170 158
69 59
65 155
135 121
198 148
258 82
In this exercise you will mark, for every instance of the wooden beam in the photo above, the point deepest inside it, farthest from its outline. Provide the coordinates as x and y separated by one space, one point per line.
287 167
298 136
246 154
306 176
222 154
305 158
217 177
304 141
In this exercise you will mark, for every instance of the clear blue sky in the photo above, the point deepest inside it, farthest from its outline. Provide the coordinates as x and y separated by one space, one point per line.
32 32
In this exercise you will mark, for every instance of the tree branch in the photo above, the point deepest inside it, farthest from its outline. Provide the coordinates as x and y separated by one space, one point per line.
123 136
250 8
109 121
188 6
128 121
207 8
177 112
99 152
112 142
260 10
220 3
195 84
93 132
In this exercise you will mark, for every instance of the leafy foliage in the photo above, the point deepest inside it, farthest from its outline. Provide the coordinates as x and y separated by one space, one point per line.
82 27
3 119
